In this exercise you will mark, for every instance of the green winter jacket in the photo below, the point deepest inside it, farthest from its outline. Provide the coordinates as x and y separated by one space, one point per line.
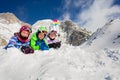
33 42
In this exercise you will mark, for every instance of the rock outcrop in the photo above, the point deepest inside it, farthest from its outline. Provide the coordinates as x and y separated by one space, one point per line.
74 34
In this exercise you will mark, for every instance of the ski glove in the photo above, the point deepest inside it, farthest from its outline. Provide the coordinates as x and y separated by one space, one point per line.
27 49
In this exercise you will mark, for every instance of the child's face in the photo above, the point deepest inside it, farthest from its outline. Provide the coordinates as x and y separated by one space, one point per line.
25 33
52 35
41 36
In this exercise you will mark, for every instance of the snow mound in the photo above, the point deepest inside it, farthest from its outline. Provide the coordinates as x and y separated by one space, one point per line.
66 63
47 23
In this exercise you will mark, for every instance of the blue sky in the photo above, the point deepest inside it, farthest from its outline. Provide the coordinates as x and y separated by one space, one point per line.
32 10
80 11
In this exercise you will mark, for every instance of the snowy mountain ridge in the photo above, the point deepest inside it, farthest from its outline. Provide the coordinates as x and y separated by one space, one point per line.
9 18
105 37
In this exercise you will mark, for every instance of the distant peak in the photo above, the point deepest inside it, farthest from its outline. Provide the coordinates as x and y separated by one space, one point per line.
10 17
114 20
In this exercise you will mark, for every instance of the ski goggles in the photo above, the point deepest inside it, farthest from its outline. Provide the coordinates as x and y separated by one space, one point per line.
45 32
53 31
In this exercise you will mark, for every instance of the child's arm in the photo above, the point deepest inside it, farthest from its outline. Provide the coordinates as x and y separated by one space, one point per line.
11 43
26 43
33 44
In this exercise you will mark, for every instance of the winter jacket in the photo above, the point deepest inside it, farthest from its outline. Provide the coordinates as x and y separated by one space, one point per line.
38 44
51 41
14 42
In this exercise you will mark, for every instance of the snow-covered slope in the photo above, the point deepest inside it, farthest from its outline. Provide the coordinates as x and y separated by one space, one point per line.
105 37
66 63
7 30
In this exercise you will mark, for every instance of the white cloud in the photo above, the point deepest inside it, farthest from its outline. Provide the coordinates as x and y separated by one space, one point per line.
81 3
68 5
66 16
94 14
97 15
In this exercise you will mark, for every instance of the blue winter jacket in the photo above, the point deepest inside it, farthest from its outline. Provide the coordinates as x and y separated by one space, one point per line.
14 42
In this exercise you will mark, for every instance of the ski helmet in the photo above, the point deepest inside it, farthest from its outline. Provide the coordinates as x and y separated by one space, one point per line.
43 28
26 28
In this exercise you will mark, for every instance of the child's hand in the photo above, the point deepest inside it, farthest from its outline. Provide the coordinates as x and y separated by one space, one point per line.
27 49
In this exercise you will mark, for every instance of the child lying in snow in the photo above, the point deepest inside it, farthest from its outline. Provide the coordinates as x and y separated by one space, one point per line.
51 39
20 40
38 41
